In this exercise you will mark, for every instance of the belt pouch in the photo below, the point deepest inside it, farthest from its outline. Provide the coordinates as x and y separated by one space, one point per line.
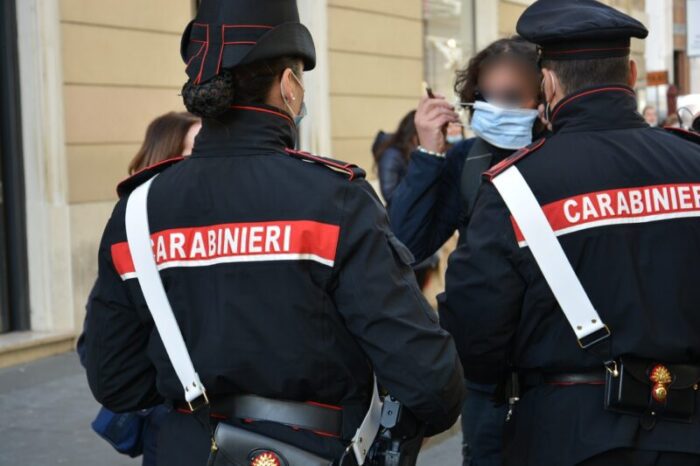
652 390
235 446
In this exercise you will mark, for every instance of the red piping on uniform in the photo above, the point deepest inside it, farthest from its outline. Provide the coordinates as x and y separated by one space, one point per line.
201 47
221 52
673 129
583 94
198 79
323 405
347 168
151 167
505 163
325 434
262 110
563 52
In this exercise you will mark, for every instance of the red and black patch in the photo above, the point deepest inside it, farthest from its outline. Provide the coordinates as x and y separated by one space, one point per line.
352 171
134 181
513 159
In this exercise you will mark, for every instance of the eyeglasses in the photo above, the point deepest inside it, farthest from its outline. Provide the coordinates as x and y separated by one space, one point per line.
508 98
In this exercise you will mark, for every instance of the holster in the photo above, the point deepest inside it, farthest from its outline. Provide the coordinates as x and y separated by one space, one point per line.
234 446
652 390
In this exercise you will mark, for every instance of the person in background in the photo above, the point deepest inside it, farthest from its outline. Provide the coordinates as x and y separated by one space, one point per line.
168 136
671 121
392 155
650 115
433 201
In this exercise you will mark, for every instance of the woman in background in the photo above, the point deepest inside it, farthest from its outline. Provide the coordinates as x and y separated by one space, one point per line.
168 136
391 155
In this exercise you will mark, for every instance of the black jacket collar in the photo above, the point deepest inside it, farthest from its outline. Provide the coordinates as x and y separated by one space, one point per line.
246 130
597 109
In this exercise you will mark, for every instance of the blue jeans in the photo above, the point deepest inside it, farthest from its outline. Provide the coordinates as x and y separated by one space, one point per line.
482 427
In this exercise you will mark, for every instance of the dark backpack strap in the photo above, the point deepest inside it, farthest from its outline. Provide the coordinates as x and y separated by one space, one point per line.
477 162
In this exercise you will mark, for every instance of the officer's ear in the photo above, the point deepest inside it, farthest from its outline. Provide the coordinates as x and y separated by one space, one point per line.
550 86
287 85
633 73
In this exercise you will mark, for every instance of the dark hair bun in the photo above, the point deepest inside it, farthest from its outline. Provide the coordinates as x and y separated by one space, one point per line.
212 98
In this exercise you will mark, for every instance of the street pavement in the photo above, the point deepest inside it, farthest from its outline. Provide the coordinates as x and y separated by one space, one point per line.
46 409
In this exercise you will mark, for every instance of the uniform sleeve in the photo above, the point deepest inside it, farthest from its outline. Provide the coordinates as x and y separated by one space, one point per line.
377 294
119 372
484 290
426 207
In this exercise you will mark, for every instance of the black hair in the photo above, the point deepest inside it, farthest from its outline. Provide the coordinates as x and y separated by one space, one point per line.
403 138
579 74
515 47
243 84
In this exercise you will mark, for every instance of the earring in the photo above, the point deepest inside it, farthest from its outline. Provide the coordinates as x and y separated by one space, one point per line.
294 98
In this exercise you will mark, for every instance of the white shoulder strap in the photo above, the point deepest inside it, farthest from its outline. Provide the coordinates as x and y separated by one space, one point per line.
139 237
550 257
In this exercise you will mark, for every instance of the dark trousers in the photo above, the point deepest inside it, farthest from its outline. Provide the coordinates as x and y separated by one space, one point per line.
625 457
151 431
482 427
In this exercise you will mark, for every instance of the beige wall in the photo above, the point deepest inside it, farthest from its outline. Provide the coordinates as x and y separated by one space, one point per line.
376 69
121 68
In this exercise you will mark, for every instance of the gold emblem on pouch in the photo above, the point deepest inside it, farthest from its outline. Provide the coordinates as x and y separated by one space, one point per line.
662 378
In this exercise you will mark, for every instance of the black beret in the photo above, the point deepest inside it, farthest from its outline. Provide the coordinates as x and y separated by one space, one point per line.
578 29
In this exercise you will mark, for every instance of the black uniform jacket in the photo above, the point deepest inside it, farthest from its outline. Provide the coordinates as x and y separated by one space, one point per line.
624 200
284 278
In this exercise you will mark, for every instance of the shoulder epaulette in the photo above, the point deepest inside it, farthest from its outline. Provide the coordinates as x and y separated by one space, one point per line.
682 133
348 169
134 181
513 159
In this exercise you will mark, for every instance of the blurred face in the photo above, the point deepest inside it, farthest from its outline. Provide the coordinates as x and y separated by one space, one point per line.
510 84
188 143
651 116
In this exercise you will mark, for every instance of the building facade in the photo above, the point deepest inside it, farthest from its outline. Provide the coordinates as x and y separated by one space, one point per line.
674 54
86 77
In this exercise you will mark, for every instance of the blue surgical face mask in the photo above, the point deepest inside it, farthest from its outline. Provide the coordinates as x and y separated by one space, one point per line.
505 128
301 115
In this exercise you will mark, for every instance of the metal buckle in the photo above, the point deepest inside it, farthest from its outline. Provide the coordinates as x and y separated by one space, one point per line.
195 406
611 367
594 338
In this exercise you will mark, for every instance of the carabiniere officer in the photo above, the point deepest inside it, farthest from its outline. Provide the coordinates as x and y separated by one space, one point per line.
282 272
624 202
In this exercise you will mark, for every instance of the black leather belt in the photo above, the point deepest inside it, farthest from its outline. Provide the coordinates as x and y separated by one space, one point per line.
316 417
592 377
